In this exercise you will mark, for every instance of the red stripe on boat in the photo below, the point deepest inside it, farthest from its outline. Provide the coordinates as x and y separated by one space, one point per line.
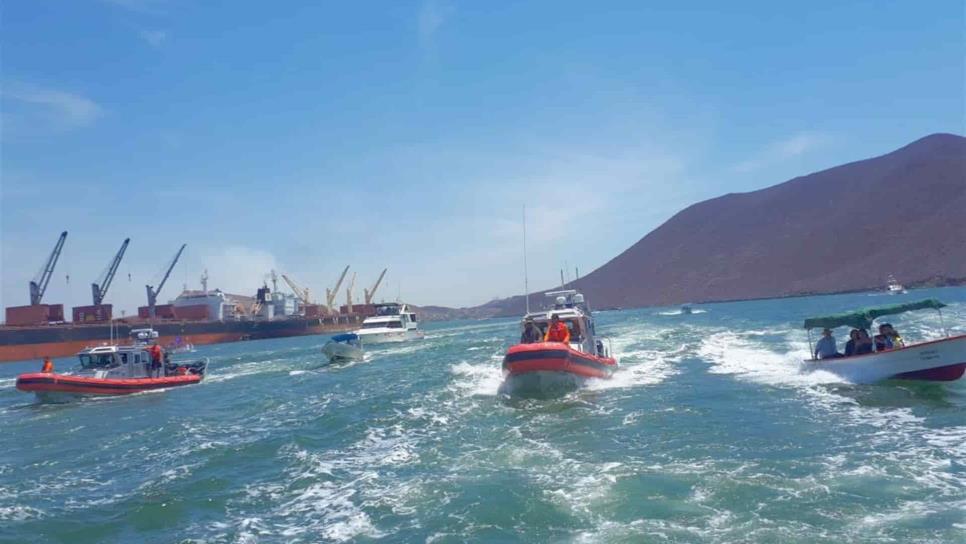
556 357
96 386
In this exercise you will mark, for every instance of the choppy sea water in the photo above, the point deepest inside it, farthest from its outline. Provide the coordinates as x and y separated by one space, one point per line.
709 433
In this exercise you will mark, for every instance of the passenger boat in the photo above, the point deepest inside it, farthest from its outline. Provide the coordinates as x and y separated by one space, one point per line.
935 360
894 287
113 370
550 368
392 322
344 347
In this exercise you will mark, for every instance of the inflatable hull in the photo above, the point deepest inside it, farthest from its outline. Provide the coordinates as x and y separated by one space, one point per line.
64 387
940 360
550 368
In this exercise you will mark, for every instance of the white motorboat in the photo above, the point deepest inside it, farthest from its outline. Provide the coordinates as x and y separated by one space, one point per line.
894 287
344 347
393 322
935 360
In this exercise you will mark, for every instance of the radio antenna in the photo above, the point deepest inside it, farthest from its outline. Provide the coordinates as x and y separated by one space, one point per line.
526 283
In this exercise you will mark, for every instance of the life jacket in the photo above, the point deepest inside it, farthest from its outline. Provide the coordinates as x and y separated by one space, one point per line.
557 333
48 367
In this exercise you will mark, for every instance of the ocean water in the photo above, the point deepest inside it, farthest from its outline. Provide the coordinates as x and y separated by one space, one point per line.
708 433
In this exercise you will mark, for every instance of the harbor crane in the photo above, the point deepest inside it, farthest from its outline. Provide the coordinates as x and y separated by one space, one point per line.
302 293
39 285
370 293
152 292
99 288
330 294
348 293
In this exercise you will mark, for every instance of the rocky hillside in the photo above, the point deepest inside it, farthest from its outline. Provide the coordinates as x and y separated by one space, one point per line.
842 229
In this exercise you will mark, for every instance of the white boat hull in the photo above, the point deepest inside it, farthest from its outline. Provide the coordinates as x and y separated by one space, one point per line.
939 360
386 336
338 351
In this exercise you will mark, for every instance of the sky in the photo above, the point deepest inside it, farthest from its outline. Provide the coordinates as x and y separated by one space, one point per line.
306 136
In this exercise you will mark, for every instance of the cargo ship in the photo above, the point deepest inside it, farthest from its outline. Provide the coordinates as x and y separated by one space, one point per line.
196 317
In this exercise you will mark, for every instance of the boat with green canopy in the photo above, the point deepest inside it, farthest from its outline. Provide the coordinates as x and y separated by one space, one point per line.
935 360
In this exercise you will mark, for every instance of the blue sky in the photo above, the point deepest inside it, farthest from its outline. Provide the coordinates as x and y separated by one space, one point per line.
307 136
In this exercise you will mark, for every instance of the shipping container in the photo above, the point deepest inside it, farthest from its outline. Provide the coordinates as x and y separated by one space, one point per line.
197 312
365 310
163 311
93 314
37 314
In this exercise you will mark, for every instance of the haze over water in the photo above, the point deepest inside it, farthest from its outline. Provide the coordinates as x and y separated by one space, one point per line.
708 433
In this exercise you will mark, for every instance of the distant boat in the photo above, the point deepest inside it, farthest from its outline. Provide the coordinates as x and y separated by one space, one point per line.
686 309
894 287
937 360
393 322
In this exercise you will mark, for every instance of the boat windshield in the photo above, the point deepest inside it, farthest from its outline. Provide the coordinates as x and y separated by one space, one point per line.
100 360
387 310
383 324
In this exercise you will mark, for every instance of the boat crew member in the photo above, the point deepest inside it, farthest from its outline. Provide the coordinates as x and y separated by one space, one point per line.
155 351
531 333
825 348
557 332
48 367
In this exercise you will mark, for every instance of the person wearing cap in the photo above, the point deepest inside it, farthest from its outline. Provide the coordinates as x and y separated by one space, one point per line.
825 348
531 333
557 331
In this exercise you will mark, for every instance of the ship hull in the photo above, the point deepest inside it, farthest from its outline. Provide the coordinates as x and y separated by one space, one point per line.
24 343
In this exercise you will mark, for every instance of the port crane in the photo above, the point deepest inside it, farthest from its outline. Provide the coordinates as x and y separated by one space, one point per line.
39 285
330 294
302 293
99 288
370 293
348 293
152 292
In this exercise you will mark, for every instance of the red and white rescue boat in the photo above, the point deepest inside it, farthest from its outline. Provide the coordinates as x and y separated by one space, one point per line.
113 370
544 369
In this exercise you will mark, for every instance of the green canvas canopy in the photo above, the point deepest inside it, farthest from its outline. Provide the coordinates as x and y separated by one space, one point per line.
862 319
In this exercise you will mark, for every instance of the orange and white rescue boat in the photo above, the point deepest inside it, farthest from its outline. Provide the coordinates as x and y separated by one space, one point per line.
113 370
543 369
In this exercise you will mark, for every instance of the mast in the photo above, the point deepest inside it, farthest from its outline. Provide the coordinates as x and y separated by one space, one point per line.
526 282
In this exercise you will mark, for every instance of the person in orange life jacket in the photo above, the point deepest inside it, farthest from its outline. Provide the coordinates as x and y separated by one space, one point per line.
48 367
155 351
557 331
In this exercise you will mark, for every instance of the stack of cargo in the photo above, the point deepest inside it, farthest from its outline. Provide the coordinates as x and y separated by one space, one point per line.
35 314
97 313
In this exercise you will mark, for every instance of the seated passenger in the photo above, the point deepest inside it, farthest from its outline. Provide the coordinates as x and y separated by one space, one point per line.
825 348
897 341
883 340
853 340
864 344
557 332
531 333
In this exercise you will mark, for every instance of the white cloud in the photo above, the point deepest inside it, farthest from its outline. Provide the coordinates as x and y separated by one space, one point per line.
53 108
432 15
154 38
788 148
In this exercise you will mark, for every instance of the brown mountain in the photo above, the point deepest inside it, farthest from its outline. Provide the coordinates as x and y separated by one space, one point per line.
842 229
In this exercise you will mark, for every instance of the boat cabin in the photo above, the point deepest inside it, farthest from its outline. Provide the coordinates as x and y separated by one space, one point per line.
391 315
116 361
571 309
